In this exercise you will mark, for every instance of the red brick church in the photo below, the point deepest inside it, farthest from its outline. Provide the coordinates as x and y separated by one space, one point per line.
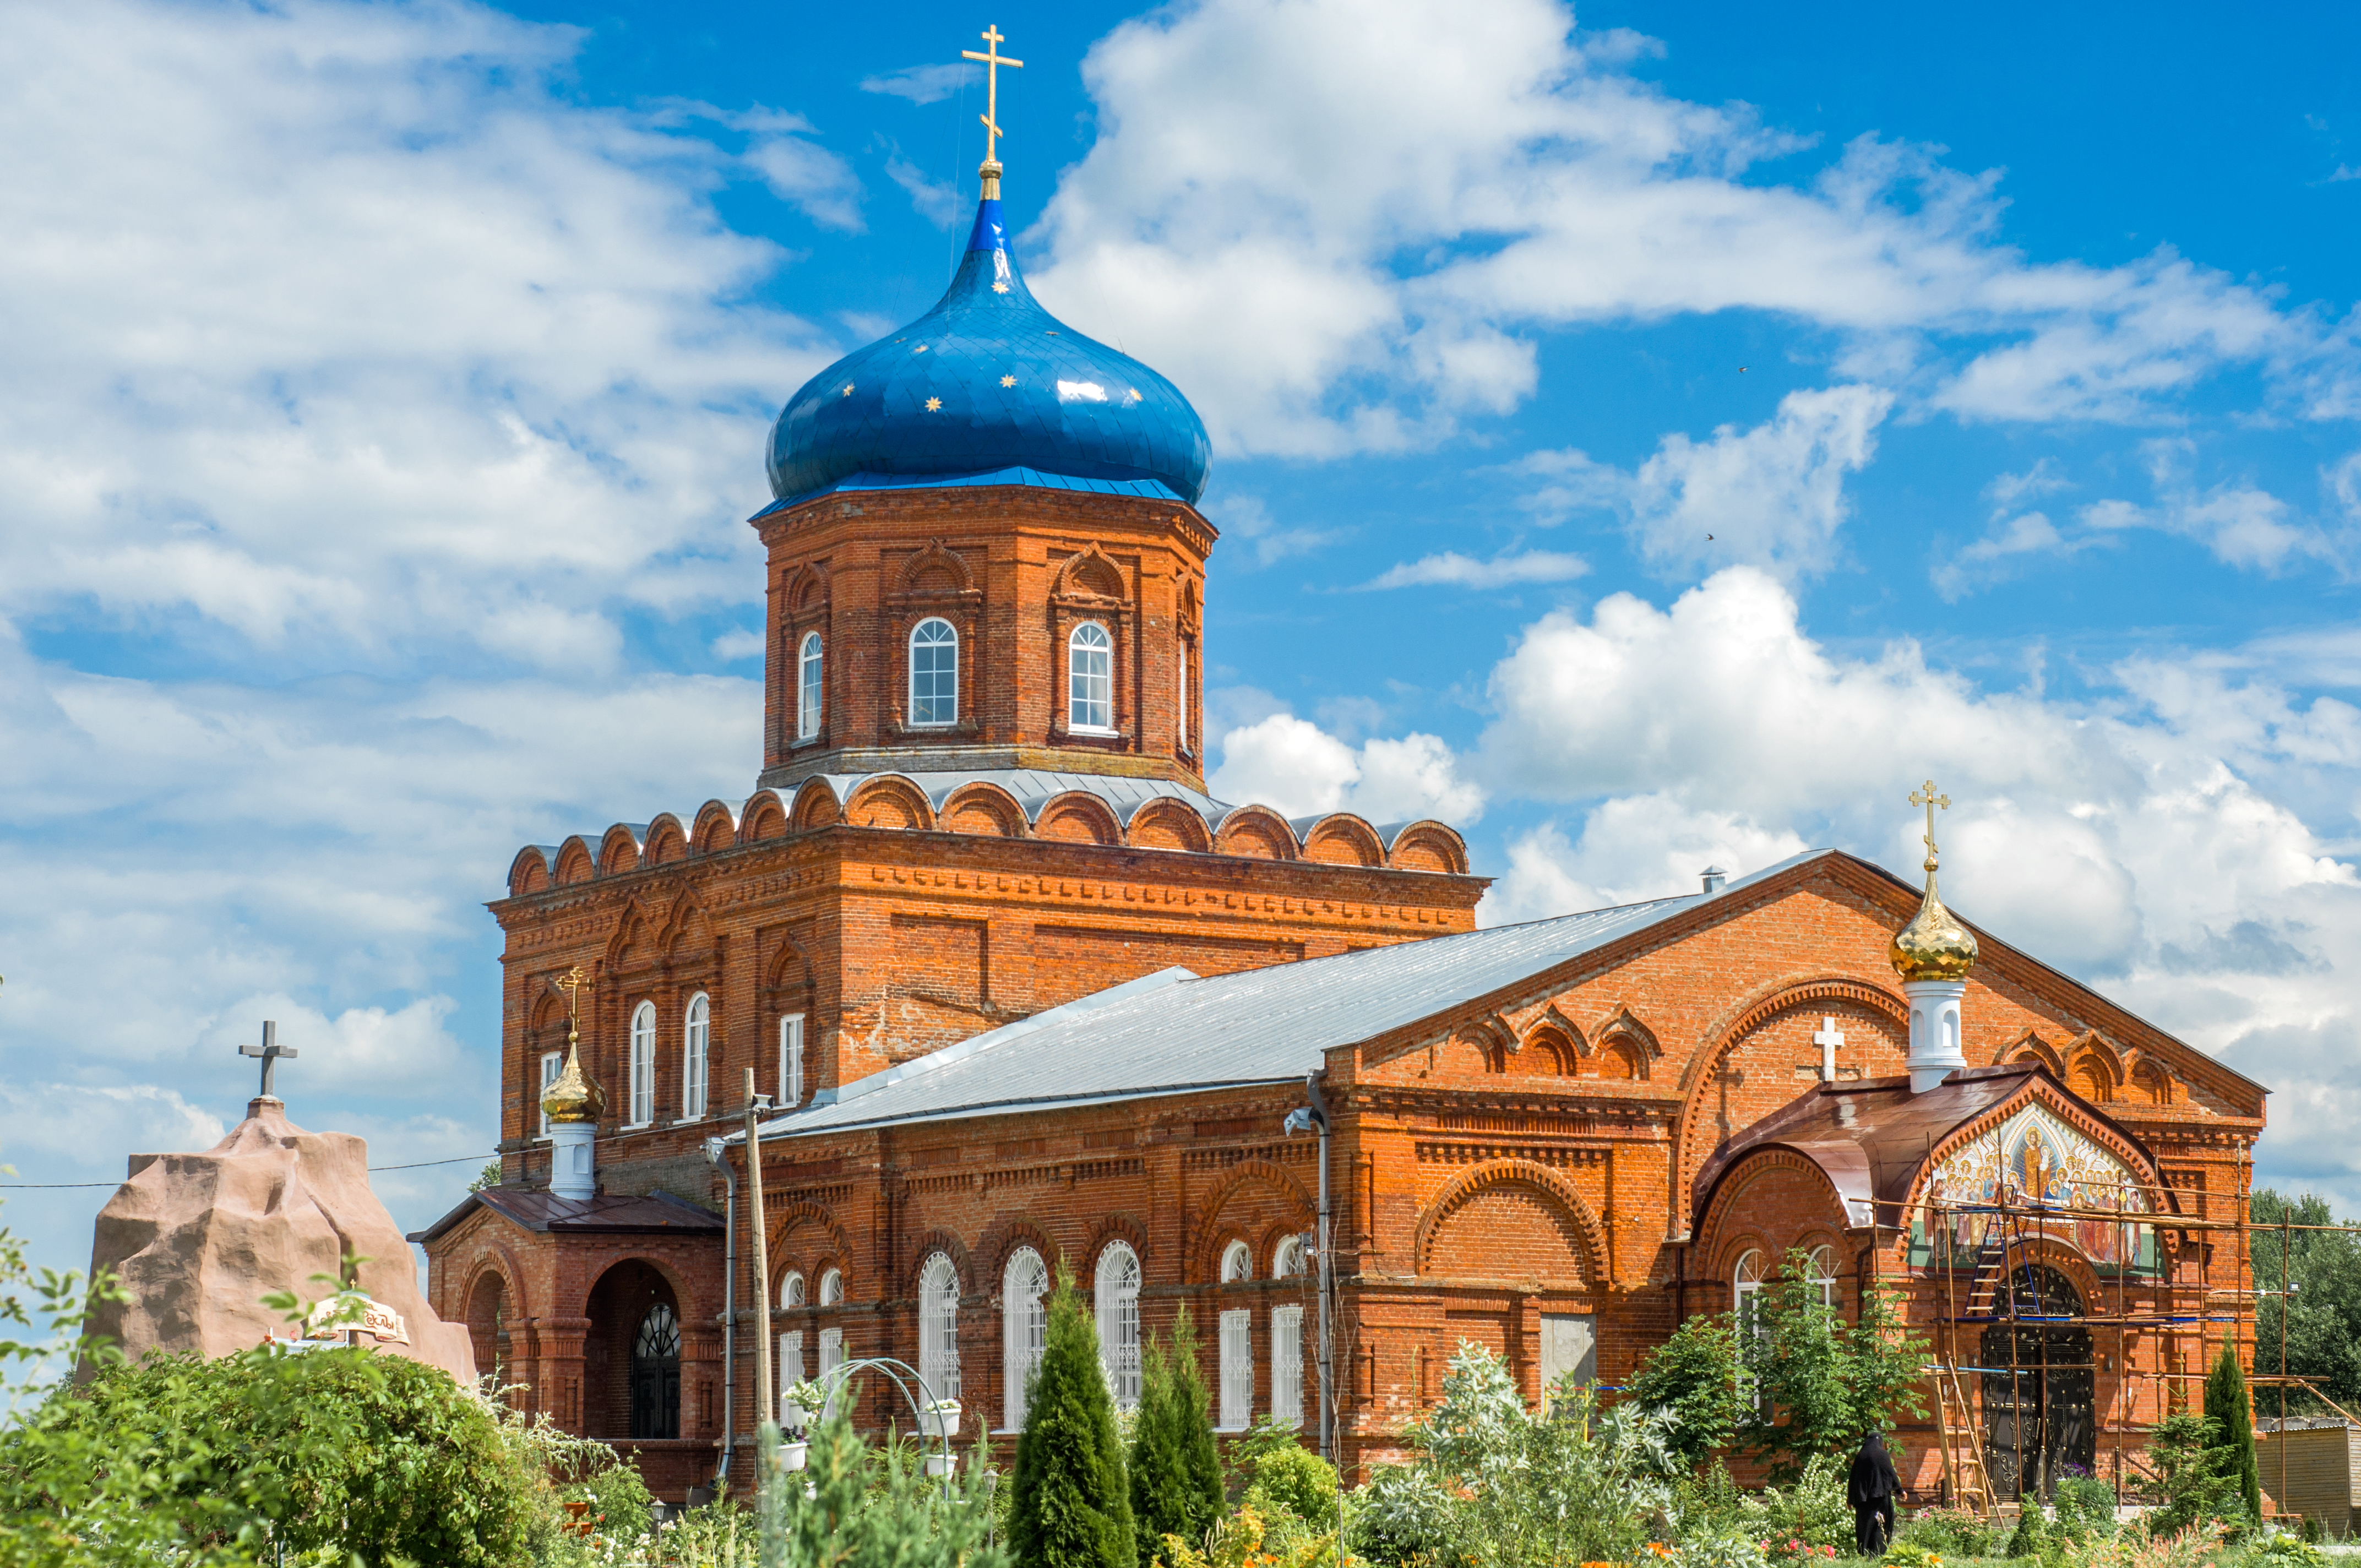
1024 996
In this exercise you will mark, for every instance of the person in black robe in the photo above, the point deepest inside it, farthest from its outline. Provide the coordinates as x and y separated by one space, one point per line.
1871 1489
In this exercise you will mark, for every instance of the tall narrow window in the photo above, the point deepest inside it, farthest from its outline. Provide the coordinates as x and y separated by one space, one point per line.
938 1294
831 1351
1237 1370
1822 1273
1090 678
810 667
1180 695
1287 1364
1116 1292
644 1064
791 1061
791 1359
552 1064
697 1035
934 673
1024 1329
1746 1307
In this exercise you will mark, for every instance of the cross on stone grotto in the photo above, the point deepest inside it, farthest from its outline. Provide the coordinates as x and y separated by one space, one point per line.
270 1050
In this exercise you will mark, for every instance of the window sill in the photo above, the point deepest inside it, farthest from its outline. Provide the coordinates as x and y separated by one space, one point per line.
634 1127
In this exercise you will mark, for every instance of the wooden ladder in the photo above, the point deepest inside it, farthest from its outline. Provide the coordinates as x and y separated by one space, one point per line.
1963 1460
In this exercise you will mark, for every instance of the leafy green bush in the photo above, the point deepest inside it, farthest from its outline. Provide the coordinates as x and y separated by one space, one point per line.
874 1508
2029 1538
1812 1509
1821 1382
1404 1516
2186 1455
1948 1532
1296 1480
2085 1506
1693 1378
2281 1549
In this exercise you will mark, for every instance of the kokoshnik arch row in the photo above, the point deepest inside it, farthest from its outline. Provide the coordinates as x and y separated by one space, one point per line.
1021 992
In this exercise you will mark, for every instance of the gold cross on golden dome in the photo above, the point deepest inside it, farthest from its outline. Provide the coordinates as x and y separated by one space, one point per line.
1930 800
571 984
993 60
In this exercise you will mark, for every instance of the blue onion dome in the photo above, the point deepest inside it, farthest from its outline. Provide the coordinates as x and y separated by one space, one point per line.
984 382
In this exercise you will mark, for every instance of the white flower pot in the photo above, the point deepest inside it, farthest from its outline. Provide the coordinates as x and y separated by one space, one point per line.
794 1415
794 1456
939 1423
939 1464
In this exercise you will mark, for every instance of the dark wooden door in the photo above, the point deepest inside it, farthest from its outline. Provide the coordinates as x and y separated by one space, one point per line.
655 1374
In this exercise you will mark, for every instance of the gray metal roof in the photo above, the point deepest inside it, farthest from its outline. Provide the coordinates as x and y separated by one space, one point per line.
1174 1033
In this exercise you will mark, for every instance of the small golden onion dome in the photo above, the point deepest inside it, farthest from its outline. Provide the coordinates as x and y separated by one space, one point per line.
1934 946
574 1095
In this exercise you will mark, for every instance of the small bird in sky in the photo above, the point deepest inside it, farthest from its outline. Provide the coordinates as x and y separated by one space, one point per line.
1708 539
1741 369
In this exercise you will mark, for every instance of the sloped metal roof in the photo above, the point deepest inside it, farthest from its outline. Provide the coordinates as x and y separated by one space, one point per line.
1175 1033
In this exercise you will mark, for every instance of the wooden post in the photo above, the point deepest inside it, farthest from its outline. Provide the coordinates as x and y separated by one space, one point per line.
764 1408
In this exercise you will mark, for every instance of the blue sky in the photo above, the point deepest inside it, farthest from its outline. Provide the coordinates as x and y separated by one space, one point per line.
386 389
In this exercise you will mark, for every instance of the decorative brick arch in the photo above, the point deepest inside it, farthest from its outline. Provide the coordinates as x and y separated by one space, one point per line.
982 807
889 800
667 840
576 863
1732 1183
807 588
765 818
929 1241
934 572
1203 1259
1120 1226
680 922
789 1214
687 1297
1595 1261
717 828
1088 577
636 922
1167 824
2031 1046
816 806
1001 1242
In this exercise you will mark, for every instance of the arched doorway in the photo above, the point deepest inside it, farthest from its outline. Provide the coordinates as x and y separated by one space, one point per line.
487 1326
2039 1387
655 1374
631 1374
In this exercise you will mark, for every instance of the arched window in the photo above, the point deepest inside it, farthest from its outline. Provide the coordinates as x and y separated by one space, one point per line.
808 687
644 1064
792 1291
1116 1290
1180 695
831 1340
792 1294
1090 678
1024 1329
1746 1292
1821 1273
1287 1263
655 1374
938 1293
1237 1263
934 672
696 1036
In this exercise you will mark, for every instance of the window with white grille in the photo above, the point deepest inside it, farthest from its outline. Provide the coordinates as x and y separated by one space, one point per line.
1090 678
552 1064
934 673
1116 1292
831 1351
1237 1263
1287 1364
644 1064
791 1061
831 1288
1237 1370
791 1289
1024 1329
791 1358
808 688
697 1036
938 1293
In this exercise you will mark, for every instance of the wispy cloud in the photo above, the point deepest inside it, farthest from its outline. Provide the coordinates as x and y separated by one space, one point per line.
1245 521
1451 569
922 84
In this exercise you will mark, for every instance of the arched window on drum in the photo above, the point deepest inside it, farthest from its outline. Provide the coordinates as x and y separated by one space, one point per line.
1089 679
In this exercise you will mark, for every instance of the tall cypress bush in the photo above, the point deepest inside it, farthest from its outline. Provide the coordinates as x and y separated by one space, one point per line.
1176 1472
2225 1404
1070 1504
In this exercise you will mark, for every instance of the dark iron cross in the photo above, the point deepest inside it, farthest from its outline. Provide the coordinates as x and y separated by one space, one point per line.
270 1050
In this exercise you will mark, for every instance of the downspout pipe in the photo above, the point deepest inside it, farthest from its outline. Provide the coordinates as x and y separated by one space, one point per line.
713 1153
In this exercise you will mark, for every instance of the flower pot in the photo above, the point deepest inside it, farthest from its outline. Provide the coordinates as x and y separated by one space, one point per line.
794 1456
939 1464
940 1421
794 1415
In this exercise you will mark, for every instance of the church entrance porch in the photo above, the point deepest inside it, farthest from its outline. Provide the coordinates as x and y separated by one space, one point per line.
630 1374
2038 1389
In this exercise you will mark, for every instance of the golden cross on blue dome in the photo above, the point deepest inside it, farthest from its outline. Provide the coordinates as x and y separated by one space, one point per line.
993 60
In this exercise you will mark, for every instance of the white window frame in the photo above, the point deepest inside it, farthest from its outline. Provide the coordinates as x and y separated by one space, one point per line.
792 1291
1746 1312
1115 1289
1024 1329
552 1064
1237 1370
831 1351
937 717
791 1061
791 1362
1090 691
696 1054
644 1064
1237 1263
938 1296
1181 688
811 674
1821 1271
1287 1364
831 1288
1286 1259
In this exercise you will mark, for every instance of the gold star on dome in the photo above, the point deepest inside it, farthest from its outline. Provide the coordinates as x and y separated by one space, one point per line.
999 288
920 349
1008 380
934 405
848 388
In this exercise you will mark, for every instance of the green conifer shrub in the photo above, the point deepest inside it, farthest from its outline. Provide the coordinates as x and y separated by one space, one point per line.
2225 1405
1176 1471
1071 1507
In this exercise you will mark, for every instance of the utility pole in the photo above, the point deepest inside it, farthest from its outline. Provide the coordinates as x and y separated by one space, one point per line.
765 1411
